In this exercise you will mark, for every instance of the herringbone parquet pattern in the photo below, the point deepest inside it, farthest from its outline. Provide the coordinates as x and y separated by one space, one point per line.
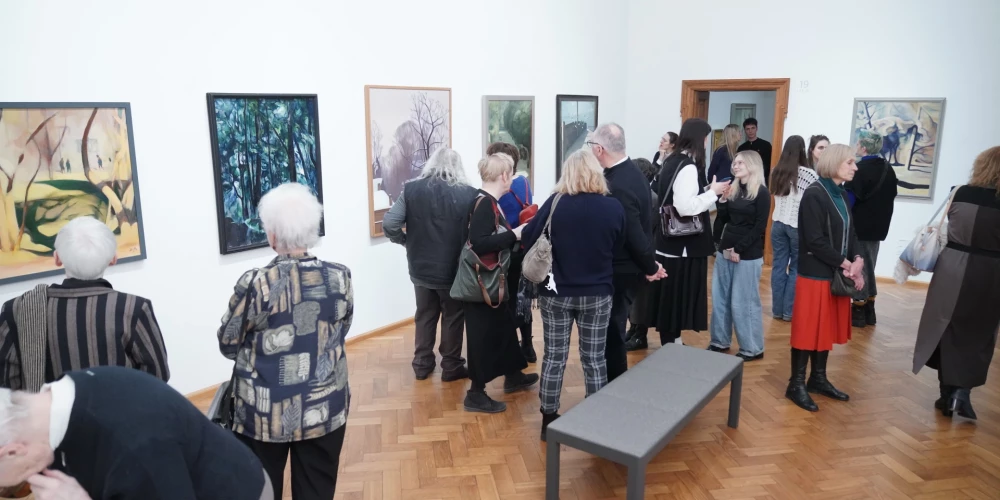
412 440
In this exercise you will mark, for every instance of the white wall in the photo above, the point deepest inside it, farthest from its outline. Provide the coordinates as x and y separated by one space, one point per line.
720 107
163 59
832 55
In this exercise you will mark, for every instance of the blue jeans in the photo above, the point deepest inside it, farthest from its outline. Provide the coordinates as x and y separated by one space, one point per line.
784 269
736 303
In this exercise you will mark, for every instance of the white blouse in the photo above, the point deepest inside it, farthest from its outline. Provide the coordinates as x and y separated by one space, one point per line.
786 208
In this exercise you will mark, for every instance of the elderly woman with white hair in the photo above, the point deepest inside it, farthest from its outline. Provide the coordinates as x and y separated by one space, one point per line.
285 327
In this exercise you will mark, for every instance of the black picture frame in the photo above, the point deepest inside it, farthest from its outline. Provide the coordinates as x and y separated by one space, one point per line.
560 99
136 191
224 241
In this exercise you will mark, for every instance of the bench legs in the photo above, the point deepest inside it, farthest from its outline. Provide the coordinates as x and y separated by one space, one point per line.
735 390
551 469
636 488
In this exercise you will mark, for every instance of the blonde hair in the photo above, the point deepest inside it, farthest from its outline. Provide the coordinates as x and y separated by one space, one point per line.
986 170
731 136
755 165
834 155
582 173
494 165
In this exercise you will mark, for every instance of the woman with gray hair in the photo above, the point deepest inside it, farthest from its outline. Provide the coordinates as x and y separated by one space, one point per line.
285 327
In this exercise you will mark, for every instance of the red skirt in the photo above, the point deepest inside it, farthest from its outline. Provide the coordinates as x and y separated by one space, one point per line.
819 318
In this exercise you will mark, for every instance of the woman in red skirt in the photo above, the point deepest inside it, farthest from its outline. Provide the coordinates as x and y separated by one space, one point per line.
827 244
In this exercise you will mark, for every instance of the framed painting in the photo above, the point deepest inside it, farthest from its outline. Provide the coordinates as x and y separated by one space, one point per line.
404 126
911 132
260 141
511 119
718 138
61 161
576 116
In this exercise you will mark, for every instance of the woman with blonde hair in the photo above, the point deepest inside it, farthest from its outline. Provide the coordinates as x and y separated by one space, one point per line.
722 158
958 328
827 245
585 230
738 263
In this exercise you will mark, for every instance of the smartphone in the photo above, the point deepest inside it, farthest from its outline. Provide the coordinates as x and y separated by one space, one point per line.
724 179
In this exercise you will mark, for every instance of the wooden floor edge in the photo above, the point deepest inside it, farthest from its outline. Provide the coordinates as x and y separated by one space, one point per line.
210 391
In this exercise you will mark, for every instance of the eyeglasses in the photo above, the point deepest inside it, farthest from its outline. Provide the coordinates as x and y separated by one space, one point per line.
592 143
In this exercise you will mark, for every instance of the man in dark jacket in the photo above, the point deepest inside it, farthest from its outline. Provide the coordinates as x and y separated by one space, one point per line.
635 261
874 189
435 211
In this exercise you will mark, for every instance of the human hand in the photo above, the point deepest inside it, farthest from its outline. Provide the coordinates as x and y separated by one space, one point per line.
660 273
719 187
54 485
857 266
859 283
734 257
517 231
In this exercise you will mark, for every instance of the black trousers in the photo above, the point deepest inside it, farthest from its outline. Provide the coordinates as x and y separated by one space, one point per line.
621 302
432 306
314 464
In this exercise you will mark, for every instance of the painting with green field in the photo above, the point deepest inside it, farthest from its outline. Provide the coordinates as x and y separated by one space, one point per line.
511 119
60 161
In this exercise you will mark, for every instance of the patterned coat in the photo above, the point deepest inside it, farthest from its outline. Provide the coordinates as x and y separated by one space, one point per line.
291 368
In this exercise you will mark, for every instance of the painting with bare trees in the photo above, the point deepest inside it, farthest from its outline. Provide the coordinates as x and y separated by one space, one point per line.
405 126
259 142
911 132
58 162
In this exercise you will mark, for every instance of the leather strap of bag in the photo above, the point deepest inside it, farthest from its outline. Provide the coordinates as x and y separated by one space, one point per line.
527 189
881 180
548 222
947 207
670 187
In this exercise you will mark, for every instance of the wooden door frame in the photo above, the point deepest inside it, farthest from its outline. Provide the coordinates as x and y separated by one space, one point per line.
781 86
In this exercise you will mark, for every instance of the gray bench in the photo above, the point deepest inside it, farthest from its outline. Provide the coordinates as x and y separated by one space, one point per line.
631 419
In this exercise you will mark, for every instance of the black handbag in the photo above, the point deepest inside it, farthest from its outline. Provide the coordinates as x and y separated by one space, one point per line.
223 406
672 224
840 285
479 280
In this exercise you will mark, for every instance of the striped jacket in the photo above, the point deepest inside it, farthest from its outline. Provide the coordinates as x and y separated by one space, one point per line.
88 324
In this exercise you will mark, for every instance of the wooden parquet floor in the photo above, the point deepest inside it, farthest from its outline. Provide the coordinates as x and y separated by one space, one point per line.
409 439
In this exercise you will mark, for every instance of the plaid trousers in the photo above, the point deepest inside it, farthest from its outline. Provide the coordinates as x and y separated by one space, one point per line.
558 313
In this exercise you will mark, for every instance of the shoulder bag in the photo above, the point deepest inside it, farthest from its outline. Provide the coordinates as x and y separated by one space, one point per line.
537 262
479 280
528 210
923 251
221 411
672 224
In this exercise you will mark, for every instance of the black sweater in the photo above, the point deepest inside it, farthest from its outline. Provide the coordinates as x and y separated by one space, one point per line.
586 231
631 189
131 436
745 221
819 257
873 208
763 148
485 220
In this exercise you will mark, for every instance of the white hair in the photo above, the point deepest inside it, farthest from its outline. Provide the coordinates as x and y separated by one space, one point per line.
11 415
611 136
292 214
86 248
446 165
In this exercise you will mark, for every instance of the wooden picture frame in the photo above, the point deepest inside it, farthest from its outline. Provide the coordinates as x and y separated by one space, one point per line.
529 159
427 131
561 129
309 158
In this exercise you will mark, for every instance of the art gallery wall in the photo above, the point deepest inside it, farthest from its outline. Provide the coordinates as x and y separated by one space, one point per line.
164 61
720 105
849 49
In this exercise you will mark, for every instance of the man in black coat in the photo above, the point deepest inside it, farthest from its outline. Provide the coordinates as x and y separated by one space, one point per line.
754 143
635 261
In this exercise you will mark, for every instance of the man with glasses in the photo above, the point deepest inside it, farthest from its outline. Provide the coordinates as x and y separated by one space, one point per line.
635 260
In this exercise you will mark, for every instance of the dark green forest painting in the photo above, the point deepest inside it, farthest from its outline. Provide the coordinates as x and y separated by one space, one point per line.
259 142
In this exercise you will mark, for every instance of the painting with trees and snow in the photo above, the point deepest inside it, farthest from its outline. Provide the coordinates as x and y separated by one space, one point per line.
511 119
405 125
259 142
911 131
62 161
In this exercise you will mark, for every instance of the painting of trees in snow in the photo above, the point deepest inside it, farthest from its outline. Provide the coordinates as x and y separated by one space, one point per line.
405 125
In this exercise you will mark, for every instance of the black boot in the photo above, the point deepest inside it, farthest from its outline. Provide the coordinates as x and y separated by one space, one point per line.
870 311
858 315
818 382
528 349
547 418
518 381
638 341
961 403
942 403
479 402
797 384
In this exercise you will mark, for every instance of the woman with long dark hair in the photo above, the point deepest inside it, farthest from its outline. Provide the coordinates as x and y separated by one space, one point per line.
789 180
667 144
817 144
683 294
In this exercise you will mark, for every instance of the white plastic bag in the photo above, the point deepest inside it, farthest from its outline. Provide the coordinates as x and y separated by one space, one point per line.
922 253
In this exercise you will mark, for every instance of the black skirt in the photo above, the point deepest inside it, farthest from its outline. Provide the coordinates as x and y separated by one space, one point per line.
681 297
643 312
492 344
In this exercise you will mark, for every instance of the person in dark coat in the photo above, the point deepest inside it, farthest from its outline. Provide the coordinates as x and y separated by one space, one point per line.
643 311
492 333
960 320
754 143
434 210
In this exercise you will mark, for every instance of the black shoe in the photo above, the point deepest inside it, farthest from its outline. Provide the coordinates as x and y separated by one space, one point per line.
519 381
858 316
547 418
479 402
942 402
630 334
716 348
797 383
818 382
461 373
528 349
637 343
746 358
961 403
423 375
870 312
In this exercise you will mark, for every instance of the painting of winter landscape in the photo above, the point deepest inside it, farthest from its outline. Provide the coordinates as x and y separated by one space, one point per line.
911 133
405 125
511 119
60 161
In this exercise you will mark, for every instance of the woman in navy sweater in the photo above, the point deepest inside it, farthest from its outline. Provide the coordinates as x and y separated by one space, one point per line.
586 227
